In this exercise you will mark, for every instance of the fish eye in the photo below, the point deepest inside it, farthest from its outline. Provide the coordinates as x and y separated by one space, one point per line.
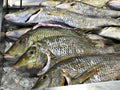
45 76
31 52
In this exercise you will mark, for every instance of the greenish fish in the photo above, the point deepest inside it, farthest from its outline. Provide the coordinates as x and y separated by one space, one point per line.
57 46
77 64
32 36
63 17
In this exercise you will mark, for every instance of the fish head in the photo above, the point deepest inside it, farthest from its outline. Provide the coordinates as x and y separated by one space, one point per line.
32 58
52 78
43 82
21 16
20 46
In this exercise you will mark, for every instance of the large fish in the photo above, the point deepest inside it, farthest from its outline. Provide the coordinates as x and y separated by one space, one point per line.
32 36
64 17
58 46
76 65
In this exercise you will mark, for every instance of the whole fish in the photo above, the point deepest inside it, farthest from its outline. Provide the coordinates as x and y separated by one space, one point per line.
32 36
76 65
114 4
57 46
111 32
64 17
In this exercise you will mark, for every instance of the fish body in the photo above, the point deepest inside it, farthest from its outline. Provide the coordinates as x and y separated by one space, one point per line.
51 15
32 36
75 65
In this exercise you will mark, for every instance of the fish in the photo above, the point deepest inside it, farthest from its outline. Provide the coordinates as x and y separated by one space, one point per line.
84 8
57 46
32 36
98 3
63 17
15 34
89 10
114 4
111 32
108 69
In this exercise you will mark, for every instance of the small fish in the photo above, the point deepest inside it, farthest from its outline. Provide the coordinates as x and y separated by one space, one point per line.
111 32
114 4
15 34
32 36
75 65
63 17
58 46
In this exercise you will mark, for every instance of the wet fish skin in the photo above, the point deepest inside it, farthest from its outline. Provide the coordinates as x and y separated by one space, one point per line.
114 4
59 46
32 36
78 64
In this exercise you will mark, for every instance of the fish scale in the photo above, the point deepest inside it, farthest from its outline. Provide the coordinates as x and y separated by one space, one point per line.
108 70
